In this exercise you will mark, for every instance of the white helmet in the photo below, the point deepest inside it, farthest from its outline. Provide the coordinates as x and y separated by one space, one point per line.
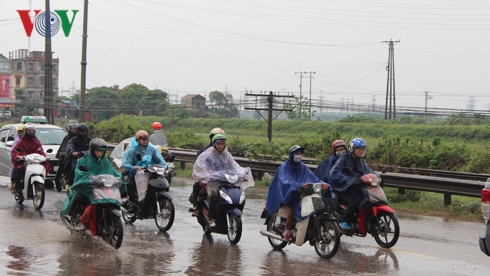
215 131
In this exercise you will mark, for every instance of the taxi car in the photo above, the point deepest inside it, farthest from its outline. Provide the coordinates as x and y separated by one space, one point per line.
50 136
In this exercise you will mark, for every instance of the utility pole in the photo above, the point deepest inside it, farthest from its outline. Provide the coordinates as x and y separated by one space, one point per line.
310 92
427 97
270 108
390 85
48 69
300 97
83 77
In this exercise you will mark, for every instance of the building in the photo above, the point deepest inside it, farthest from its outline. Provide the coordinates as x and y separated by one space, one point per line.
67 109
5 94
194 101
27 70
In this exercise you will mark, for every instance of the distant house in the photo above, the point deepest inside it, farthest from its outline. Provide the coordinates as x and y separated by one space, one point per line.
194 101
67 109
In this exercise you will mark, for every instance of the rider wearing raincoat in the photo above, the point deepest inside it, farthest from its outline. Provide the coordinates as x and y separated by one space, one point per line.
139 147
291 175
323 170
212 161
346 175
97 164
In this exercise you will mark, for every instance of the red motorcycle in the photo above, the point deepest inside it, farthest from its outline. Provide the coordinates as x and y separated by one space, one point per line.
377 218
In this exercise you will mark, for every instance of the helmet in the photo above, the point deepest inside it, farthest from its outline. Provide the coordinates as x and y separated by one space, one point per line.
72 126
20 128
295 148
219 137
97 144
142 134
215 131
156 125
337 143
357 143
82 128
29 126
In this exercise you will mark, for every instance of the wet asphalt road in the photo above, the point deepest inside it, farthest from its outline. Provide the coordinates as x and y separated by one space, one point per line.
37 243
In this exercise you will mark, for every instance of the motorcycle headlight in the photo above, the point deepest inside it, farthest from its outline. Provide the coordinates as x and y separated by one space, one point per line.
242 198
160 171
317 188
226 197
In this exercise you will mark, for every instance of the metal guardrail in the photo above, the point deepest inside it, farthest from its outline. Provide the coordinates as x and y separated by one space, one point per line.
454 183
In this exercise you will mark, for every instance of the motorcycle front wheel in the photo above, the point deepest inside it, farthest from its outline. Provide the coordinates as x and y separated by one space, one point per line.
276 226
386 230
165 218
38 195
327 241
234 228
113 231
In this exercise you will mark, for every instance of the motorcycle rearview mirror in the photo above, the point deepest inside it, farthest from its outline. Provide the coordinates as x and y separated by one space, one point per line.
384 170
19 149
83 168
138 157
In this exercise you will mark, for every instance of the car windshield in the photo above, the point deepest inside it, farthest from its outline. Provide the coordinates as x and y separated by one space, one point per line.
50 136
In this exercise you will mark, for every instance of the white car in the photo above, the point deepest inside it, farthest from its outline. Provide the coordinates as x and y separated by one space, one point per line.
7 114
50 136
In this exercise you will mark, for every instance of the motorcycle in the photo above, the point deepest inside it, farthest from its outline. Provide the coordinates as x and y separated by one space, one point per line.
231 201
118 152
319 227
104 219
377 218
34 176
154 200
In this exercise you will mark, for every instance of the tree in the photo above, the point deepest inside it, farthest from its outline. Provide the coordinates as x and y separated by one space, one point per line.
103 99
154 102
222 104
295 106
131 96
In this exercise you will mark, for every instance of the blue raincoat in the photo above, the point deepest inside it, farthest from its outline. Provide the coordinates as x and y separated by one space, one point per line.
129 157
341 180
324 169
282 190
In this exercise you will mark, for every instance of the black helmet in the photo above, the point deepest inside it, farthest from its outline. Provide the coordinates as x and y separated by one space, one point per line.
99 144
295 148
82 128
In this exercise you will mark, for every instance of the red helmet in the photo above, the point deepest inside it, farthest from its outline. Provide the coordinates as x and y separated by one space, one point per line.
156 125
337 143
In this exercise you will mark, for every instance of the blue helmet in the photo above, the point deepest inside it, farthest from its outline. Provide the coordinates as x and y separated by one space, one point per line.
357 143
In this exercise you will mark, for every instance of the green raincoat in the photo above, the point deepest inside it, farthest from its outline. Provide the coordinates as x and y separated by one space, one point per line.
82 185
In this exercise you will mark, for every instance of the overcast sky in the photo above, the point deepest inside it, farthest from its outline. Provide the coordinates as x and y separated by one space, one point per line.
198 46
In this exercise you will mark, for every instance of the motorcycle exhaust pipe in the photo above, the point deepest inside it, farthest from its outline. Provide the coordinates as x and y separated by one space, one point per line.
271 235
68 224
